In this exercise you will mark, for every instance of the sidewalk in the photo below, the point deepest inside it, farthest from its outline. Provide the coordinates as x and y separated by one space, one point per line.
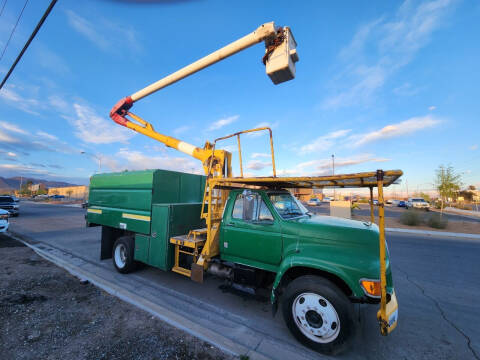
434 233
462 212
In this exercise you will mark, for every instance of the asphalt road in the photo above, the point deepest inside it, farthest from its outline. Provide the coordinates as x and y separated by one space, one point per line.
437 281
390 211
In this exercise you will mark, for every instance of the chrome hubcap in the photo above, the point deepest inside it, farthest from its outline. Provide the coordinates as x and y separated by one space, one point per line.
120 255
316 317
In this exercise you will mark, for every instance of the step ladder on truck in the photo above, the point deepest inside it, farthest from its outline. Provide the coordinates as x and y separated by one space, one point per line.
249 230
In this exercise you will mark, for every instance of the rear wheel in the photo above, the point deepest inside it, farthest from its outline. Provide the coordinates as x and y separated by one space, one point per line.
123 254
318 314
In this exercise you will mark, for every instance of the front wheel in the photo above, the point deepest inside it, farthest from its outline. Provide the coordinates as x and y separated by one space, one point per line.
318 314
123 254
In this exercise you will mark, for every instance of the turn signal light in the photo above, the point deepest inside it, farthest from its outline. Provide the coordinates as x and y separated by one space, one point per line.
371 287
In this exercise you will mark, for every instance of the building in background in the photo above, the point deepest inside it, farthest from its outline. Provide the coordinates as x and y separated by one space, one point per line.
306 194
73 192
35 188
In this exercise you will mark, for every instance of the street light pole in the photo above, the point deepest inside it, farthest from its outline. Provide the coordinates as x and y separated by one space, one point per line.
96 157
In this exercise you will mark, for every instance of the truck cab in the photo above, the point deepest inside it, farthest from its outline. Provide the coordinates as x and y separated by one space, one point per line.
325 262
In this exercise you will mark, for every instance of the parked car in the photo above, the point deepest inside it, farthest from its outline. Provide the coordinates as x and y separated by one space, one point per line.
3 220
9 204
57 197
327 199
41 196
417 203
402 203
313 202
395 202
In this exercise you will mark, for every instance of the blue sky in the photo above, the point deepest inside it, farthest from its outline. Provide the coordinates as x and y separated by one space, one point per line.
389 85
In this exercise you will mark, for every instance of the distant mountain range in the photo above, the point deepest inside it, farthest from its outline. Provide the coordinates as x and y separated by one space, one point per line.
8 184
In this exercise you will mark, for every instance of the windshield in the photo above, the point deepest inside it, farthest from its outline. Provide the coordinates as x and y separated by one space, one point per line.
5 199
418 200
287 206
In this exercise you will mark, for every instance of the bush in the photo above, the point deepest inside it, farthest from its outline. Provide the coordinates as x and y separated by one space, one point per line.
437 221
411 217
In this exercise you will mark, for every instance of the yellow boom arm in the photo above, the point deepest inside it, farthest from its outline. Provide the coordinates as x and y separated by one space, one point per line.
280 57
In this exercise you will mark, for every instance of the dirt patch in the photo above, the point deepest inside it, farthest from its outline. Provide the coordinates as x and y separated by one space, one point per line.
5 241
45 313
467 227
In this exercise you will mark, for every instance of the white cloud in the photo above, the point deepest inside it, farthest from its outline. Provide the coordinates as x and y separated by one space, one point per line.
13 98
258 165
50 60
324 142
11 154
324 166
126 159
261 155
431 108
12 128
105 34
20 168
223 122
407 89
47 136
58 103
402 128
92 128
382 47
474 147
7 138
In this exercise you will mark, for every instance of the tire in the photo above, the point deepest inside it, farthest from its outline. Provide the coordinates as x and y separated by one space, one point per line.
328 312
123 254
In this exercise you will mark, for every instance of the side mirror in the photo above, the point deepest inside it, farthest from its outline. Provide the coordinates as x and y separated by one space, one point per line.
248 206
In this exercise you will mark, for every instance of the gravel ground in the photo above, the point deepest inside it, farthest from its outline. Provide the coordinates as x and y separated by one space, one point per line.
45 313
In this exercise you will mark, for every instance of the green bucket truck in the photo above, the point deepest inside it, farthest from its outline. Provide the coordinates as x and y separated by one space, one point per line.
316 267
248 230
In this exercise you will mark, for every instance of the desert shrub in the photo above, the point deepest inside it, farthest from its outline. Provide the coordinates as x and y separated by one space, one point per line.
437 221
411 217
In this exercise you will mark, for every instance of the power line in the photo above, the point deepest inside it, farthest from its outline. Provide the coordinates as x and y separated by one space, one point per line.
13 30
3 7
32 36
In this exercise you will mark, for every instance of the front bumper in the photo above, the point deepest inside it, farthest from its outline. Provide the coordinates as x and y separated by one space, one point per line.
3 226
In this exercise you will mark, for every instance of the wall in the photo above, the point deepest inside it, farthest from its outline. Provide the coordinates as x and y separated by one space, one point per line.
77 192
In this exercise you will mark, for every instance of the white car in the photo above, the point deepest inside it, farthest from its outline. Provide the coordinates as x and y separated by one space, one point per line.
327 199
313 202
3 220
417 203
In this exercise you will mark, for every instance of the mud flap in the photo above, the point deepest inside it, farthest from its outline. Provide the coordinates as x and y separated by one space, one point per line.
196 273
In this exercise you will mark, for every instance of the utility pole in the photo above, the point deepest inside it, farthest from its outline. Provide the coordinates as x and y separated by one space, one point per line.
406 185
333 173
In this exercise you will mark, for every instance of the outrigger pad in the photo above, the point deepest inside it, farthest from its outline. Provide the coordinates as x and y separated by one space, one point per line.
196 273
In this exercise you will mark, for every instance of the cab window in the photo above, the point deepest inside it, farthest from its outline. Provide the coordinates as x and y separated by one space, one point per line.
251 207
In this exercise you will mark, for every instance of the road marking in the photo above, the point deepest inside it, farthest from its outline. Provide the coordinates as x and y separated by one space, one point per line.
136 217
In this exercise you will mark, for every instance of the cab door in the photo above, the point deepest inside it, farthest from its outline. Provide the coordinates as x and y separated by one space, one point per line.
251 235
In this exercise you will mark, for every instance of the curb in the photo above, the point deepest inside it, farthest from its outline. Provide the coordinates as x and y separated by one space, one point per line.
434 233
156 310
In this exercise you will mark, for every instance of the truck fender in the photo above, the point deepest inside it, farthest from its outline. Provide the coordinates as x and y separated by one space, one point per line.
318 265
